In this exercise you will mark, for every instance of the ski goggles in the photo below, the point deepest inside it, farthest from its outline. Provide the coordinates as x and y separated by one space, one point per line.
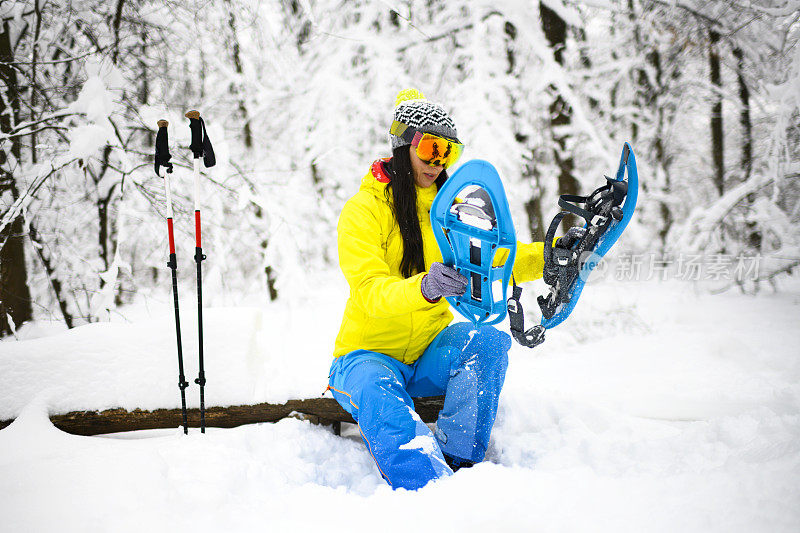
433 150
436 151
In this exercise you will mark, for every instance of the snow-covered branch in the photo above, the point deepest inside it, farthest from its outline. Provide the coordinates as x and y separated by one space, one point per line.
18 129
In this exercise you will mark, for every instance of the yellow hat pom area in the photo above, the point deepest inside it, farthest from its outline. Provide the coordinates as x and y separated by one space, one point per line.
408 94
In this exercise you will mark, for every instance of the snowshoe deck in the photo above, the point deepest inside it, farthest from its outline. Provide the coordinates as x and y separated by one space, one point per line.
470 230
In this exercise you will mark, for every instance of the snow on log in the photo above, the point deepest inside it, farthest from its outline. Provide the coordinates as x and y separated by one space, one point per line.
318 410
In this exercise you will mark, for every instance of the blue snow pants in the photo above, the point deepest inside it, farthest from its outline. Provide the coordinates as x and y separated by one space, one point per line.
465 365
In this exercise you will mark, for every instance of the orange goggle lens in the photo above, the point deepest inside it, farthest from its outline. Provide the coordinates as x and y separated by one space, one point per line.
436 151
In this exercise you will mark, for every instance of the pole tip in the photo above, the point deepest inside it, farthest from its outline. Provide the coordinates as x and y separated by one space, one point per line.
193 114
163 123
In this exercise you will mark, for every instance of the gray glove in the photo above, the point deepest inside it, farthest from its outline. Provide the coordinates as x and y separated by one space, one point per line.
572 236
442 280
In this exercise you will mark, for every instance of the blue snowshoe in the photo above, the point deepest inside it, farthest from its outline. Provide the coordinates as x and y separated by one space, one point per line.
607 212
470 229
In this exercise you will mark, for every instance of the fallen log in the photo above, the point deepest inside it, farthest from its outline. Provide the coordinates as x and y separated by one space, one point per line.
318 410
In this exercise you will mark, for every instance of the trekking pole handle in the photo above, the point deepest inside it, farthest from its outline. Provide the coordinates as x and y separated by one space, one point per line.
196 127
162 165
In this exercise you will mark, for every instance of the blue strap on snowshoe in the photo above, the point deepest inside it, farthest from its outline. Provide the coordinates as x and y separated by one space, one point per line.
470 230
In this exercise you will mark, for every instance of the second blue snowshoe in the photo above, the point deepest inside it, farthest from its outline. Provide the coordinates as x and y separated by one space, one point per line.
607 212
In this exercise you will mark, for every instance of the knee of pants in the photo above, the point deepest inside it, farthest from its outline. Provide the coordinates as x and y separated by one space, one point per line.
498 341
385 401
376 391
489 347
353 384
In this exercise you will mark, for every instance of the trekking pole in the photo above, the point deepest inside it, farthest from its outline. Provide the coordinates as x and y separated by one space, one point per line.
163 170
201 148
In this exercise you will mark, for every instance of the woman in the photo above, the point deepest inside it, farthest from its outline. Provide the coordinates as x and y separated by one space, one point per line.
395 341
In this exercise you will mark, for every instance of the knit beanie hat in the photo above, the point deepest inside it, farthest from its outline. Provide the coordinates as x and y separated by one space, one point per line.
413 113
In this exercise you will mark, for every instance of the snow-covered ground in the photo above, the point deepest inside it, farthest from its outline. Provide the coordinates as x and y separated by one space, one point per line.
654 408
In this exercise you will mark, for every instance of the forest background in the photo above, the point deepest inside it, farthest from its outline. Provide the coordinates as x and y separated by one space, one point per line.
297 97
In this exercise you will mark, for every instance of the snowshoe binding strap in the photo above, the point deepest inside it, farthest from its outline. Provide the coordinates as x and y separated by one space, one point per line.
531 337
613 190
560 269
562 266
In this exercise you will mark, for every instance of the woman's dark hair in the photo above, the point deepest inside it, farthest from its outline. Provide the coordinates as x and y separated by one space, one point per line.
404 199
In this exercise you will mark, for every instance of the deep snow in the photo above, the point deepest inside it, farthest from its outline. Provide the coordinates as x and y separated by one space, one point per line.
653 408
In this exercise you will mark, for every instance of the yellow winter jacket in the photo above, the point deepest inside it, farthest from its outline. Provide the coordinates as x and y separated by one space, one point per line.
385 312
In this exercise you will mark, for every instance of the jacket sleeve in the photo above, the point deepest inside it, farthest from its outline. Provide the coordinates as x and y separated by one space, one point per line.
528 263
362 260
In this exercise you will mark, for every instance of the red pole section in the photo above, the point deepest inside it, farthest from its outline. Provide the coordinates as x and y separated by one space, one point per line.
171 237
197 227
